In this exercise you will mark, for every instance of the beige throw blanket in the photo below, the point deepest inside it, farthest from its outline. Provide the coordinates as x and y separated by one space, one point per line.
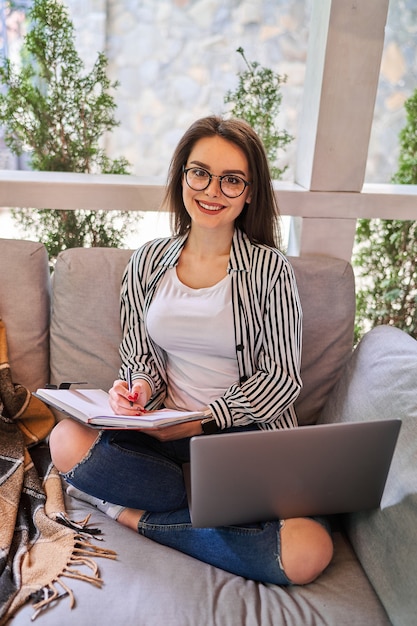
39 546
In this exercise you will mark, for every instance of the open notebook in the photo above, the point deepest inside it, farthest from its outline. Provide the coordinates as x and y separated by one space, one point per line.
91 406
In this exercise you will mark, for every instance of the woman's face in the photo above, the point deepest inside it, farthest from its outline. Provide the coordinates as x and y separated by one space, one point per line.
210 208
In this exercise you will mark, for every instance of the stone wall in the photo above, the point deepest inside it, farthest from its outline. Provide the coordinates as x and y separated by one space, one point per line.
176 59
398 81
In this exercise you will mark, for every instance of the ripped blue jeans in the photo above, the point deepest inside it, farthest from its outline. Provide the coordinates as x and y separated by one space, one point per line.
137 471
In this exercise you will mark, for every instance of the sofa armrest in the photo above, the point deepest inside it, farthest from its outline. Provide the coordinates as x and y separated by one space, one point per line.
380 382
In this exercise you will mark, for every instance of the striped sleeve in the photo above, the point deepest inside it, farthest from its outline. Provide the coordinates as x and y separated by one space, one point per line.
268 326
135 348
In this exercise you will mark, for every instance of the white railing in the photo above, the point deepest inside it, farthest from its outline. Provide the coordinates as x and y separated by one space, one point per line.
338 209
63 190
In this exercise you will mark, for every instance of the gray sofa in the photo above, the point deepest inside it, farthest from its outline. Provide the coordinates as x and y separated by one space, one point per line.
67 328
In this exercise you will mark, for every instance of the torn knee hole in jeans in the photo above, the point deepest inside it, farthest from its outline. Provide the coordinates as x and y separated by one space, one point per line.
279 551
70 473
279 560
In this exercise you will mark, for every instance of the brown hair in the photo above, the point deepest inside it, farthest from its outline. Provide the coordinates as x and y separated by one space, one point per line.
260 218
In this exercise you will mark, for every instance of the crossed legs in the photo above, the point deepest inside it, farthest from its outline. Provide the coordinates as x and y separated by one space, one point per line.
306 547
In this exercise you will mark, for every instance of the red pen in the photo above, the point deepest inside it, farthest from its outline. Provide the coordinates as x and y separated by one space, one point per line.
129 382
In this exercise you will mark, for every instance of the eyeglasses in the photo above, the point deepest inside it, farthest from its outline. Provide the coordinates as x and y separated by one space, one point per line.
198 178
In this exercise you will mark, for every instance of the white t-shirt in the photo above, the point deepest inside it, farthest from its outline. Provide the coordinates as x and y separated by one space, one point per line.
195 328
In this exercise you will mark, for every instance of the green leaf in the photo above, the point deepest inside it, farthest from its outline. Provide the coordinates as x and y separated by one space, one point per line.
257 100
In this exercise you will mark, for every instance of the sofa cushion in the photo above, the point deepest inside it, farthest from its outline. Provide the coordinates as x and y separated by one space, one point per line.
25 309
85 328
327 293
152 585
380 382
85 325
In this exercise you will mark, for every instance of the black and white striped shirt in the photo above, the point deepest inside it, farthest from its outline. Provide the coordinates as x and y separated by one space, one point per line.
267 320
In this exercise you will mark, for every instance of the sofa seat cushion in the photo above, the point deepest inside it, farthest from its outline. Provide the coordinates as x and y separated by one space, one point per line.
150 585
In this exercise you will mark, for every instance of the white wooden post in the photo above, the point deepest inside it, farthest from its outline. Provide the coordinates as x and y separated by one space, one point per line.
344 57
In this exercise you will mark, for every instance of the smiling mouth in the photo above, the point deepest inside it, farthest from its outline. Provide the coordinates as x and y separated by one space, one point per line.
213 208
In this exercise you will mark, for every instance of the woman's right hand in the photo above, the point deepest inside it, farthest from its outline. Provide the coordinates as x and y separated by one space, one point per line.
125 402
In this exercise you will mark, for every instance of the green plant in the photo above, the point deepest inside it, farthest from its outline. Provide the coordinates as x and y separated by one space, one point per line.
257 100
57 113
387 251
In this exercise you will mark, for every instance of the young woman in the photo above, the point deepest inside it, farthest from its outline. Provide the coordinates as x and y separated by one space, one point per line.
211 319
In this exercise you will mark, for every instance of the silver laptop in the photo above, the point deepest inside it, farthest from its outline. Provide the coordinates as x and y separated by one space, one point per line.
255 476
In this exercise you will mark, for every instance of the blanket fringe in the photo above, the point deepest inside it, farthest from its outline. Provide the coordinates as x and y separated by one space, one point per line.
80 526
86 547
82 556
48 595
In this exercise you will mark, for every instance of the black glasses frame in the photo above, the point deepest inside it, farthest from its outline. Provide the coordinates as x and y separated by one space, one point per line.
210 177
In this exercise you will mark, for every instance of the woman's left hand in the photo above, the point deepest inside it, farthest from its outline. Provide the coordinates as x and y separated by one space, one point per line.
177 431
